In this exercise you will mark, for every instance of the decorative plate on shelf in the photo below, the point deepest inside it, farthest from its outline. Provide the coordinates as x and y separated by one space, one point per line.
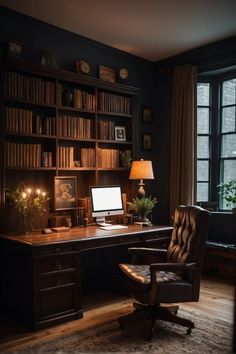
123 73
82 67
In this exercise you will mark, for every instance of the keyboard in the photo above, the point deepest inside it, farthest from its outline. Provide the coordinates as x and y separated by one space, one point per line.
113 227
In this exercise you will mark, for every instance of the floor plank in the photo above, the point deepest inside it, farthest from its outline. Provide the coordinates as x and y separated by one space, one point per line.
216 300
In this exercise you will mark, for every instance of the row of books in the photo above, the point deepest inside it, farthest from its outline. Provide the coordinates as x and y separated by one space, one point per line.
85 202
75 127
18 120
88 157
46 125
84 100
47 159
31 155
109 102
30 88
23 155
108 158
22 121
66 156
106 130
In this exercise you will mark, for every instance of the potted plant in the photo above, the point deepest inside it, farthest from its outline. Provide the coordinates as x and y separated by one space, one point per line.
228 192
142 207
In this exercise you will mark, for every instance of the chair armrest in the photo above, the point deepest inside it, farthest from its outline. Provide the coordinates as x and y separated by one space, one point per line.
155 267
140 251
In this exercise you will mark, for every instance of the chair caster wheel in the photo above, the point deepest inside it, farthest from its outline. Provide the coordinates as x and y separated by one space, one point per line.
189 331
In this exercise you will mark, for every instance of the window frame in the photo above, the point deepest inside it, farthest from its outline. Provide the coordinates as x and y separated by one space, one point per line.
215 133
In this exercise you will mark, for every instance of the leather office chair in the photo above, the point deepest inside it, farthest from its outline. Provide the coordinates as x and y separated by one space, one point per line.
177 279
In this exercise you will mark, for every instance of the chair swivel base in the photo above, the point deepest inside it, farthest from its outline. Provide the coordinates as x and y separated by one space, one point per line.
153 312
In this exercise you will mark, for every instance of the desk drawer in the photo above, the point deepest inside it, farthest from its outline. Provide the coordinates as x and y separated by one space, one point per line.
55 249
126 239
56 279
55 263
57 301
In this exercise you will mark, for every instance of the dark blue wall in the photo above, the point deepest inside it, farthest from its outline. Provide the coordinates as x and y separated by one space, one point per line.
154 79
68 47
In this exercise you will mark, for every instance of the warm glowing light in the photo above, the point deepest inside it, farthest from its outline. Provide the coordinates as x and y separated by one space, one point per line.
24 195
29 190
43 194
38 191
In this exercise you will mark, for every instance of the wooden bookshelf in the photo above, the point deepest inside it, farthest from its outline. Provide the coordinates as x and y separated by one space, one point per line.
56 123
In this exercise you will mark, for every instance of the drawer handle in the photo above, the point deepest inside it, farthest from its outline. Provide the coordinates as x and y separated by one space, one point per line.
58 265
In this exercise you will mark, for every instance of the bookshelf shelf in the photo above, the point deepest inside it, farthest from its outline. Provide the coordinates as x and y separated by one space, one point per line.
43 136
30 103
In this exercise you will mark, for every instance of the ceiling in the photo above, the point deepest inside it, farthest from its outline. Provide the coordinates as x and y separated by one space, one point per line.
150 29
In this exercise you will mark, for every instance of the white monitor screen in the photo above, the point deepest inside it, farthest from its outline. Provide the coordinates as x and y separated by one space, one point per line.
106 200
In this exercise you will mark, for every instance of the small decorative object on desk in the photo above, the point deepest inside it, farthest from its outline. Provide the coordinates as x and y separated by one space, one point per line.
27 201
142 208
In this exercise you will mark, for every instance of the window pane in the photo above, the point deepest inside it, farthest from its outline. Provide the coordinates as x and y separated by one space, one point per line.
228 170
228 119
202 192
228 148
228 94
202 170
203 121
203 147
203 94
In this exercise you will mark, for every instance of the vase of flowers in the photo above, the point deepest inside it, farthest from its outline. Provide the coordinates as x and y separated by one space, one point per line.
27 202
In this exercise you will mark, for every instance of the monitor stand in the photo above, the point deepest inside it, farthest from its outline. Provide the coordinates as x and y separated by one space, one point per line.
101 221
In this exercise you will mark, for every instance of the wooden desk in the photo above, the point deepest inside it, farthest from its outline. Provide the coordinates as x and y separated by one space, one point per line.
40 274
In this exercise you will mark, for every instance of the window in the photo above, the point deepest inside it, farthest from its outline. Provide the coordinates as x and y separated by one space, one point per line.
216 137
203 141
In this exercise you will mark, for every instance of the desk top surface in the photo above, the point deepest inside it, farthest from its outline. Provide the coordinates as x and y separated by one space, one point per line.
83 234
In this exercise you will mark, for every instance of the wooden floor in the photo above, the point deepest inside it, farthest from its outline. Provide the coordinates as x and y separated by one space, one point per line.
216 300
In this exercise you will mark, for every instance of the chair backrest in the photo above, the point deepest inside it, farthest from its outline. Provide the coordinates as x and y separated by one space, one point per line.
189 235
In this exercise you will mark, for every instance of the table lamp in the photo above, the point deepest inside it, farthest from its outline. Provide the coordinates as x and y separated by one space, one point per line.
141 170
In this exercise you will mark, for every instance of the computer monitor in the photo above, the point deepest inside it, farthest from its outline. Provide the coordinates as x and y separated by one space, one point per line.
106 201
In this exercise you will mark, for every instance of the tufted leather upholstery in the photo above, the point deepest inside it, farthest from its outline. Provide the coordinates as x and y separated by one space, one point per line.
188 236
178 279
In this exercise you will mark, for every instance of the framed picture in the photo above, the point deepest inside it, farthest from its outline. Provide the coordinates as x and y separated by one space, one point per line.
15 49
147 113
120 133
65 192
146 141
107 74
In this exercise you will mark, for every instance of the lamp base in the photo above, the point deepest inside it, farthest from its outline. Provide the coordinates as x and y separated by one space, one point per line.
141 192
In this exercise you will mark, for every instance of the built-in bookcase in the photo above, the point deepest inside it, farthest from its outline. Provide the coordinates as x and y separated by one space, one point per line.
56 123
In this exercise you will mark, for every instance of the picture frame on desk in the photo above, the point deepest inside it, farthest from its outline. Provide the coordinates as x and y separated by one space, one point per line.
14 49
65 192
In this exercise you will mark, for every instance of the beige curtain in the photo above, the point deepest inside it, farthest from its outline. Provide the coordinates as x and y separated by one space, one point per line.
183 124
